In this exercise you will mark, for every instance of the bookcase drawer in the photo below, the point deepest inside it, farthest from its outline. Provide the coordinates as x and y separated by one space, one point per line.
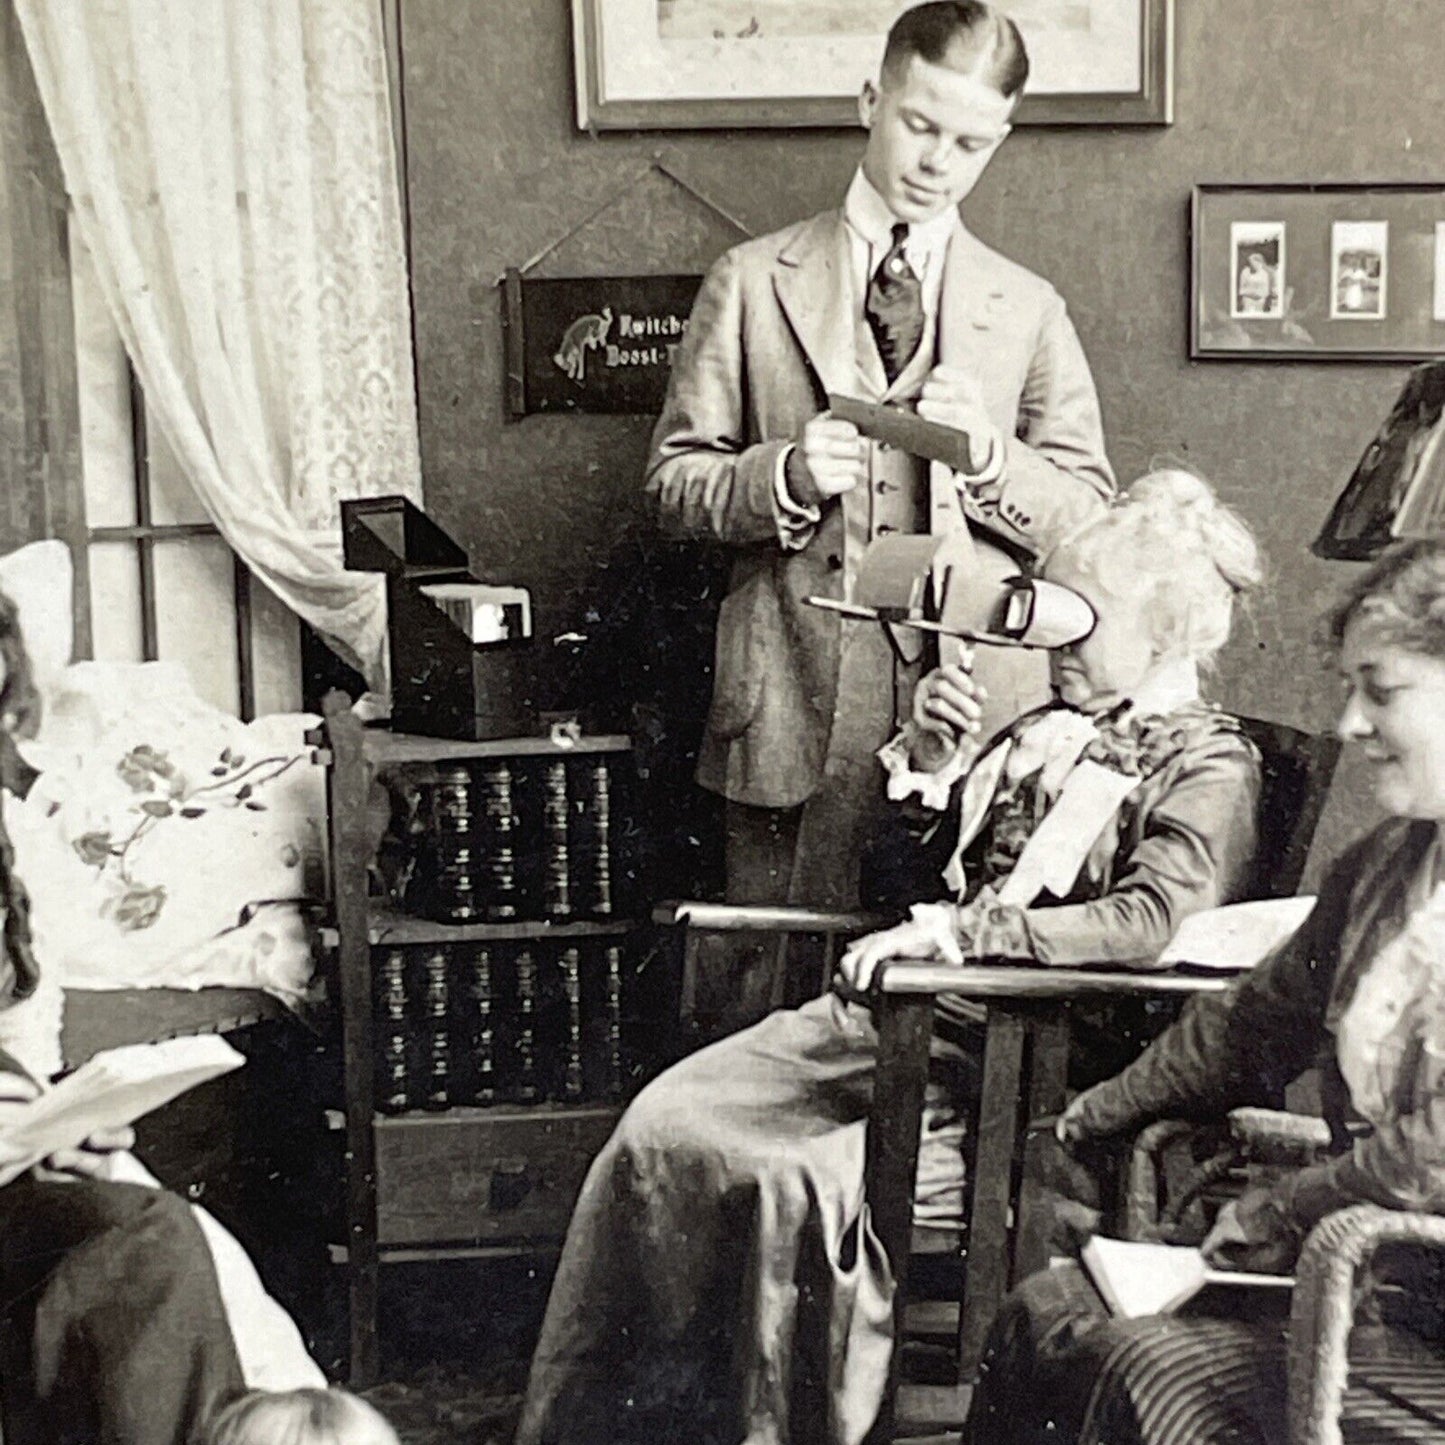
483 1176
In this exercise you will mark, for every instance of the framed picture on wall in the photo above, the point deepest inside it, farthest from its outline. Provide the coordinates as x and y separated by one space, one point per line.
692 64
1325 273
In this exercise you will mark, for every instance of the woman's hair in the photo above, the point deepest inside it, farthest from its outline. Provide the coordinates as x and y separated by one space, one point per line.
19 698
301 1417
19 717
1401 596
1170 535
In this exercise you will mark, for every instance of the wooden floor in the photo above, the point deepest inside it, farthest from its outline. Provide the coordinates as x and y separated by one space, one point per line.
456 1343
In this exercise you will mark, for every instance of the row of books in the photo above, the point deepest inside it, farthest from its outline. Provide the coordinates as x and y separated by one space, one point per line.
500 1023
524 838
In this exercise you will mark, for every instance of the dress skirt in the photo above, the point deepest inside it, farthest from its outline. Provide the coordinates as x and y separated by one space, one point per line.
721 1281
1058 1368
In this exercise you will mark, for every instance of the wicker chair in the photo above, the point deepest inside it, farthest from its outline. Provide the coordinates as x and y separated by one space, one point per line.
1174 1165
1331 1402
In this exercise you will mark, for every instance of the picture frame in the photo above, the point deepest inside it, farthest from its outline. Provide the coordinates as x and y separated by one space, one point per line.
1301 271
747 64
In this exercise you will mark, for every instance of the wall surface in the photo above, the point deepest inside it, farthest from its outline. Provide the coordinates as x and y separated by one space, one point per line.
40 493
1266 90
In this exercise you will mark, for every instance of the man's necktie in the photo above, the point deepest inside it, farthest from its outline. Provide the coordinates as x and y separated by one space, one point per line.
894 307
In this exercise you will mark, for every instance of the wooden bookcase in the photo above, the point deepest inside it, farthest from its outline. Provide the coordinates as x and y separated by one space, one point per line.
463 1181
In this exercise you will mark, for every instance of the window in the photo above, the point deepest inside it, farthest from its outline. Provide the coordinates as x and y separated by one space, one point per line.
160 581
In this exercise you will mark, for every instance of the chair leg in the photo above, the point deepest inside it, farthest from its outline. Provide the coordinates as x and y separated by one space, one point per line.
1048 1081
986 1275
905 1030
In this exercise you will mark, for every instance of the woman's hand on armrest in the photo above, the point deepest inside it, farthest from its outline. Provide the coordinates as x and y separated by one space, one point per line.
947 707
928 936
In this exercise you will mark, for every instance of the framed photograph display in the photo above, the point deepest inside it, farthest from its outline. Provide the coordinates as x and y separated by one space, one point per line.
1327 273
688 64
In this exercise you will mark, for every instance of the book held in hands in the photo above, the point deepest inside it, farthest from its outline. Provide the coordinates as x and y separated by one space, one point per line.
1137 1278
114 1089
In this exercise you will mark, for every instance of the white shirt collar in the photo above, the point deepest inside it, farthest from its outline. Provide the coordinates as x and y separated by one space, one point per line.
867 214
1171 685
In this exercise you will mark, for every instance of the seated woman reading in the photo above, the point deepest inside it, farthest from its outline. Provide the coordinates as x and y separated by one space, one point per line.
720 1281
108 1289
1359 992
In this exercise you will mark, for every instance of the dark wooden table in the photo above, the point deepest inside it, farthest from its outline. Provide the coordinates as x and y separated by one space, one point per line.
1025 1061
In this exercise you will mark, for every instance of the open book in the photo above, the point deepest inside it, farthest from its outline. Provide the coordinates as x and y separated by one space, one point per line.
115 1088
1237 936
1138 1278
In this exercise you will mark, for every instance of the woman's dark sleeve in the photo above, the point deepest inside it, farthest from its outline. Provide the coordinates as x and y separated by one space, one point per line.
1241 1046
904 857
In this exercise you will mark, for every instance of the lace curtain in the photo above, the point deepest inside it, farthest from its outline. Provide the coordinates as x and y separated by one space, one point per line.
231 170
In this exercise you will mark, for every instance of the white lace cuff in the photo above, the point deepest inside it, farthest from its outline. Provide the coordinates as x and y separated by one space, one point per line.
936 922
796 523
904 780
978 484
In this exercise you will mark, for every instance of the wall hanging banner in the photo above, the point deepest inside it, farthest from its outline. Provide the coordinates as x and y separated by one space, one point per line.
592 343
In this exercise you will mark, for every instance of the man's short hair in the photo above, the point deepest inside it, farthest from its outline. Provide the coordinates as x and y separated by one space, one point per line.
964 35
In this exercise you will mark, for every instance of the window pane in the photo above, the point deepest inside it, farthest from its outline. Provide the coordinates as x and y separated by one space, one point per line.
107 454
172 498
115 620
276 652
196 616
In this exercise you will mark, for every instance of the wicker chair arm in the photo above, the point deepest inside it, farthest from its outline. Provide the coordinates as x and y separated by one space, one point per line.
1274 1136
1323 1309
1141 1181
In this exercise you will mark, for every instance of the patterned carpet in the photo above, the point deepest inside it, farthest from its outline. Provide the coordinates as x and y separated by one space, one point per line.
443 1406
455 1342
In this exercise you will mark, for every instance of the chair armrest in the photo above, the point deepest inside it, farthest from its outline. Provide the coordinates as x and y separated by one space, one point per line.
1274 1136
1036 981
1323 1309
1141 1183
763 918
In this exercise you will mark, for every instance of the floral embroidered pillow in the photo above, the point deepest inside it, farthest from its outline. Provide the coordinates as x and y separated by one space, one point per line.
168 844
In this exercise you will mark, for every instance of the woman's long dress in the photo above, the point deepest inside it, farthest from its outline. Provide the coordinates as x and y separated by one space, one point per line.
720 1281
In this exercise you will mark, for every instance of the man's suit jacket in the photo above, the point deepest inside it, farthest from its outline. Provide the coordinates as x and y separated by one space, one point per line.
772 332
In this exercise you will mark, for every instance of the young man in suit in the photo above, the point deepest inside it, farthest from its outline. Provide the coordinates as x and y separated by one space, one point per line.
890 299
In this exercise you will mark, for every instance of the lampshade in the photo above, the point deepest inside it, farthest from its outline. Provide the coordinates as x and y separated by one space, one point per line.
1398 488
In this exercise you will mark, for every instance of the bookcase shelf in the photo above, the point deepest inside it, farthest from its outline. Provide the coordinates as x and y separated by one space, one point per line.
388 748
390 927
484 1062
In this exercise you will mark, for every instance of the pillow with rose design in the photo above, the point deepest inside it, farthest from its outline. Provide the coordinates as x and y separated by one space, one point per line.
166 843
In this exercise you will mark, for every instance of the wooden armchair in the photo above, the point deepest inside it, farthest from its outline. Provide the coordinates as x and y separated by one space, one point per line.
1026 1049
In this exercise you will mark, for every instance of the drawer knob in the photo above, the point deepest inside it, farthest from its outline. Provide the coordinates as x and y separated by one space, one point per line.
510 1184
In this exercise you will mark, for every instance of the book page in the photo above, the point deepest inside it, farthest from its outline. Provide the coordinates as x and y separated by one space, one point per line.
117 1087
1138 1278
1237 936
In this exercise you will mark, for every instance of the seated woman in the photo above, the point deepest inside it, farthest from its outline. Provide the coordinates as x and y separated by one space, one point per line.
720 1280
126 1314
107 1290
1358 992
